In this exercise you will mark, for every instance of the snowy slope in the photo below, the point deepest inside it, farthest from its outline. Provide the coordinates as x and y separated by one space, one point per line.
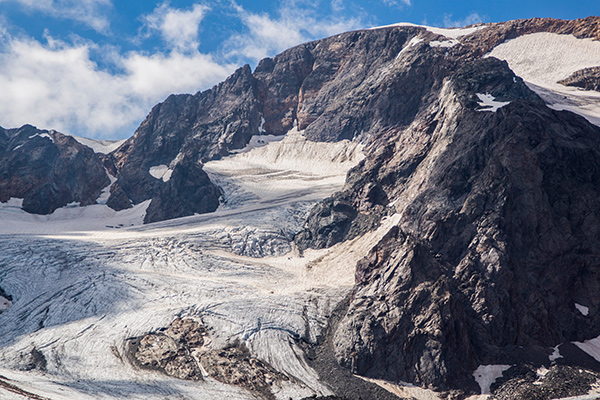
542 59
99 145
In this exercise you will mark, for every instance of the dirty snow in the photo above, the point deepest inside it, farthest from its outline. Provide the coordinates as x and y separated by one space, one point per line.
103 280
489 103
105 194
161 172
445 43
261 128
98 145
486 375
543 59
404 390
582 309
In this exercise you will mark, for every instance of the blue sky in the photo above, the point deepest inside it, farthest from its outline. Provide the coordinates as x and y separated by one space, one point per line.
96 67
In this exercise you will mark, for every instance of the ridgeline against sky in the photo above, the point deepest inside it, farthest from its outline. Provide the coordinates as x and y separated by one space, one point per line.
95 67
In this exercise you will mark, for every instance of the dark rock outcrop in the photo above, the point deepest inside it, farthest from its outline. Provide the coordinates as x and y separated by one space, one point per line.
48 170
188 191
587 79
497 239
530 383
179 351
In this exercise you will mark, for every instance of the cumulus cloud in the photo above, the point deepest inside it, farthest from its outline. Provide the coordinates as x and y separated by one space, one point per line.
56 85
92 13
83 88
295 23
178 28
473 18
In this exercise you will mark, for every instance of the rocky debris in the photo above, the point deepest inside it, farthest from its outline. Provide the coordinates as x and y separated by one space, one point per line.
48 170
235 366
170 351
33 360
343 382
587 79
530 383
180 351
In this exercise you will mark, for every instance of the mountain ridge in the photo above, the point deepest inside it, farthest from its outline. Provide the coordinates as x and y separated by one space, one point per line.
484 200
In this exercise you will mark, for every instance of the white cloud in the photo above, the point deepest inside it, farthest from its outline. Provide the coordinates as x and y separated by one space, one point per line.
396 3
296 22
178 28
473 18
92 13
57 86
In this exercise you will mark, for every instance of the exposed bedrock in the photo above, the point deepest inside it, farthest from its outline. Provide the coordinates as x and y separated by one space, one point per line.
48 170
587 79
498 239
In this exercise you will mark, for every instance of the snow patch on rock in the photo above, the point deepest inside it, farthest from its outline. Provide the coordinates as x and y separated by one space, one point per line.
486 375
555 354
105 194
582 309
489 103
43 135
445 43
99 145
413 42
452 33
161 172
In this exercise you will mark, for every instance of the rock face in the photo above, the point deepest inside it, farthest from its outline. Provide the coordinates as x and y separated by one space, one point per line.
497 240
587 78
48 170
498 233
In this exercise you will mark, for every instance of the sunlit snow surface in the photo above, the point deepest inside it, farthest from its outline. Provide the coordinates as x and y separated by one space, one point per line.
543 59
487 102
83 279
99 145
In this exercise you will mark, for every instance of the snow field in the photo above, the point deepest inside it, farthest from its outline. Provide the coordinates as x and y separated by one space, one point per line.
543 59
